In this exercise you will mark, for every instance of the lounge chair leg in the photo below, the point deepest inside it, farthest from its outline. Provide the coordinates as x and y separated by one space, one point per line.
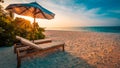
18 63
63 48
18 59
14 48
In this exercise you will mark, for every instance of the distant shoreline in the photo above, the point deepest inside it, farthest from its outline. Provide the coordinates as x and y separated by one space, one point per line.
103 29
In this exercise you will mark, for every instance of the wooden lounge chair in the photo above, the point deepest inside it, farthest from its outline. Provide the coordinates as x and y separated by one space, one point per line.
17 45
33 49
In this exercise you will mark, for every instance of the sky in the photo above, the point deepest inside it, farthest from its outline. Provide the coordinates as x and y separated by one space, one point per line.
75 13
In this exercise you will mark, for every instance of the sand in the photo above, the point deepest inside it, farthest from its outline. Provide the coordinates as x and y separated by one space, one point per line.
82 50
101 50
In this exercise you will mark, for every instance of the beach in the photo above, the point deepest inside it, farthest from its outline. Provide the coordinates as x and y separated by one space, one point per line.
59 34
101 50
83 49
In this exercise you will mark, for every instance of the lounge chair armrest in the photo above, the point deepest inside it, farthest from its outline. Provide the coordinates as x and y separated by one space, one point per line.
20 49
42 41
18 45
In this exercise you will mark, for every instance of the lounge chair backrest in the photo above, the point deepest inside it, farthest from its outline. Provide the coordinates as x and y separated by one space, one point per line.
18 37
42 41
29 43
36 41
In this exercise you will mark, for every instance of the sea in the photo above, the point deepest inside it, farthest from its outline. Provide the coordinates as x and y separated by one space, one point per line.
106 29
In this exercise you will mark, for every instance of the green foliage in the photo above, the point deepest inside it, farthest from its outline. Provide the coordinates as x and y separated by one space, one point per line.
9 28
1 30
37 31
27 30
39 35
7 32
21 26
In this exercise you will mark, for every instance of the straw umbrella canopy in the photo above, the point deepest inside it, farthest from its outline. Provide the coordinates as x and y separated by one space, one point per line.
32 9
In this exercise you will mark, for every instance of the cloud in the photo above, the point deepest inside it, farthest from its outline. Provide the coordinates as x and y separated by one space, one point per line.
74 15
115 11
68 13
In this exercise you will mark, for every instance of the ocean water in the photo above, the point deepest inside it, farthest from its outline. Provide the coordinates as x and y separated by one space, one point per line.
106 29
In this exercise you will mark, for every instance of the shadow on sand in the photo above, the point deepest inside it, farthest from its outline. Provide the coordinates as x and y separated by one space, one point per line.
7 58
57 59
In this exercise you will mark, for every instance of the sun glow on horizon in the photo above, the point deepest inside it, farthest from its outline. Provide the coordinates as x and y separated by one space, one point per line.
25 17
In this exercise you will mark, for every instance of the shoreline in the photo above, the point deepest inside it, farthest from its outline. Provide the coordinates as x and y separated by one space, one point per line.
85 31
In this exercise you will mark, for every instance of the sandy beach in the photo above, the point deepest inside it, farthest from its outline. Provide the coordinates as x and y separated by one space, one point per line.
101 50
59 33
82 50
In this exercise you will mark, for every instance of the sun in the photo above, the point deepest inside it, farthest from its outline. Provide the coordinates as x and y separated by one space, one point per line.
25 17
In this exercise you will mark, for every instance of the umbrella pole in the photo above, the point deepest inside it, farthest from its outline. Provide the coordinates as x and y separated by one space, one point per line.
34 29
34 26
